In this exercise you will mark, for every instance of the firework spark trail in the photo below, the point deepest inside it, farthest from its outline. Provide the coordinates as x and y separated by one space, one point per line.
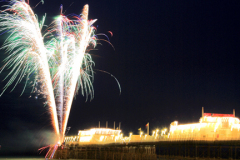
83 42
54 150
26 50
61 76
65 41
74 66
61 64
51 150
77 73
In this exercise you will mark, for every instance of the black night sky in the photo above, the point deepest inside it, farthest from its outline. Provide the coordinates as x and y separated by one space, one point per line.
171 57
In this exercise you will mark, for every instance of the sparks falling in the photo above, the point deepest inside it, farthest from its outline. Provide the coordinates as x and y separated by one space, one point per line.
57 59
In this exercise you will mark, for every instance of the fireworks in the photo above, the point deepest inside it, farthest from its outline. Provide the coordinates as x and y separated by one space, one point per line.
57 58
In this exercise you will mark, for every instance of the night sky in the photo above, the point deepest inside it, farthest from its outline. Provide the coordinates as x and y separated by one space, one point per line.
171 57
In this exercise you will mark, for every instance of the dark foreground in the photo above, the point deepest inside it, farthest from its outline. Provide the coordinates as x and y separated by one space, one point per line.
178 150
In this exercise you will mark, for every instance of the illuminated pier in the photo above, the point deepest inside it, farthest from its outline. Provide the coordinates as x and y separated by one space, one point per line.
214 136
211 127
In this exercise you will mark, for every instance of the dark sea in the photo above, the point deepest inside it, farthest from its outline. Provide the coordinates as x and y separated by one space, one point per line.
34 159
31 159
22 158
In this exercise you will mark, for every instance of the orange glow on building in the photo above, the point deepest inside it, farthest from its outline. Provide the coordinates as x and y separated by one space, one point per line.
211 126
95 136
